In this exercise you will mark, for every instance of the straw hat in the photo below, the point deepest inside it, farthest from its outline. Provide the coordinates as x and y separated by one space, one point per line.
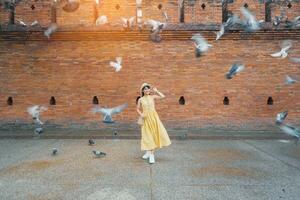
143 85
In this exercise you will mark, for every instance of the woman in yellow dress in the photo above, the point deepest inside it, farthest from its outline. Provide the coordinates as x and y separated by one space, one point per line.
154 134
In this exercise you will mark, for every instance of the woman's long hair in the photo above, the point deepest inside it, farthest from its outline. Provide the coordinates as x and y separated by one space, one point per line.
146 86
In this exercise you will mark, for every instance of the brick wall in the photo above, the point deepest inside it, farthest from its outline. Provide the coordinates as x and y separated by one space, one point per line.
74 72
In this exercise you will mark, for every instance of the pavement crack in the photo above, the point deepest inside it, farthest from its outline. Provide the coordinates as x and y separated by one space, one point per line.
151 183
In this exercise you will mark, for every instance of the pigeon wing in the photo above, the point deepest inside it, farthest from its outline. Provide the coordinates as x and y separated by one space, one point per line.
119 109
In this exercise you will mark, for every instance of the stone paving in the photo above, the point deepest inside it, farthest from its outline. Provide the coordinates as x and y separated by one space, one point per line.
188 169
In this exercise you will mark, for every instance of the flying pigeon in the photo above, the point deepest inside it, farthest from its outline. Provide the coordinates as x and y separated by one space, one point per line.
289 80
296 60
35 111
117 65
101 20
127 23
71 6
250 24
235 68
165 16
108 112
277 20
290 130
286 45
281 117
99 154
50 30
91 142
200 44
220 32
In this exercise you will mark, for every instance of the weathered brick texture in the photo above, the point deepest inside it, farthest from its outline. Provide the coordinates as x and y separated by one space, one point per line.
74 69
74 72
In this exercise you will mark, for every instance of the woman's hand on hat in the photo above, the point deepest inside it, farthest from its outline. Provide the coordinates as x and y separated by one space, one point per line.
155 89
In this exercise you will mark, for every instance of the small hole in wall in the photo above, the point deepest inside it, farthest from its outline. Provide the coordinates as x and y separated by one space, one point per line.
289 5
246 5
10 101
225 101
95 100
270 101
52 101
181 100
137 99
32 7
203 6
117 6
159 6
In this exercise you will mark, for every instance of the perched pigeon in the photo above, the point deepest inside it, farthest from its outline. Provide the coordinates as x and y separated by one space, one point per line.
71 6
99 154
156 26
286 45
220 32
34 23
281 117
101 20
117 65
277 20
156 29
250 24
50 30
290 130
235 68
200 44
108 112
127 23
289 80
22 23
35 111
294 23
54 151
91 142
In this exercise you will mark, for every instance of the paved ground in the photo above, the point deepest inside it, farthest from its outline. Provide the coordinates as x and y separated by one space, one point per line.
188 169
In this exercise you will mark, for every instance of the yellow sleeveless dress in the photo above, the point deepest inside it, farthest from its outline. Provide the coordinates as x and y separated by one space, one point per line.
154 134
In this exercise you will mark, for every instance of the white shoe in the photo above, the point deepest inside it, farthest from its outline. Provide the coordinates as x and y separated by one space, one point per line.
146 155
151 159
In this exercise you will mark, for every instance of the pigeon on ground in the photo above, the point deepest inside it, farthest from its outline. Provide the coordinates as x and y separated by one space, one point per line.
108 112
54 151
286 45
235 68
281 117
200 44
99 154
91 142
117 65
